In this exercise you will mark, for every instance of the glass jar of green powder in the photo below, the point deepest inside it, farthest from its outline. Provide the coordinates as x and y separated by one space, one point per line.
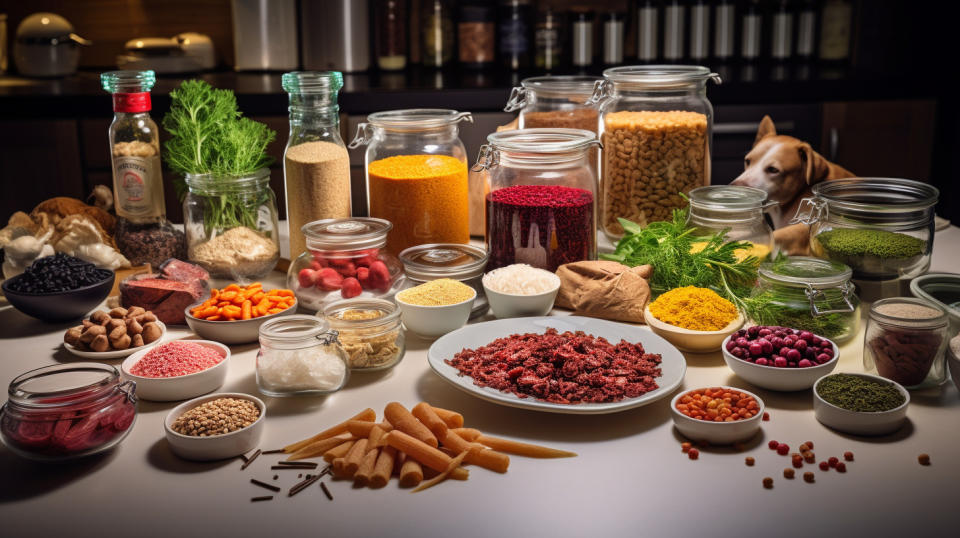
905 341
881 227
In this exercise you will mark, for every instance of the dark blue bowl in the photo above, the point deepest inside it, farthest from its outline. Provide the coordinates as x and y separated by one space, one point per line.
59 306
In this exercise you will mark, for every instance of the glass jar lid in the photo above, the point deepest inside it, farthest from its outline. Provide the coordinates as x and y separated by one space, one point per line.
443 260
389 314
307 82
543 146
805 271
909 312
297 330
128 81
877 195
578 87
417 118
63 384
347 233
728 198
661 77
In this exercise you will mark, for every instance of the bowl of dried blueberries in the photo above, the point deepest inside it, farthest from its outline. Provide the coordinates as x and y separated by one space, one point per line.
59 288
779 358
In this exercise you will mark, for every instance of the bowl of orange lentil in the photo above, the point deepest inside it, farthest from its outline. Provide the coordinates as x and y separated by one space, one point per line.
718 415
234 314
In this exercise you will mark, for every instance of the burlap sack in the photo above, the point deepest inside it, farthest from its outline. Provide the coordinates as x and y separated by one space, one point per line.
604 289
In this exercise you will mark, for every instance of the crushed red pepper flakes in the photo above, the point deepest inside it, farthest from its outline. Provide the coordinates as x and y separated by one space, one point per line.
924 459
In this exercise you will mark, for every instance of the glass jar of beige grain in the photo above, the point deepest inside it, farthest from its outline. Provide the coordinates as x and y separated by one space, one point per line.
655 124
370 332
316 166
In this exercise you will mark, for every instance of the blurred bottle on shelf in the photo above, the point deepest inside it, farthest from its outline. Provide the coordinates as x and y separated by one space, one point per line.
674 24
781 32
437 32
648 31
476 32
613 34
807 30
516 31
751 31
699 31
390 34
548 40
724 30
836 24
582 34
344 42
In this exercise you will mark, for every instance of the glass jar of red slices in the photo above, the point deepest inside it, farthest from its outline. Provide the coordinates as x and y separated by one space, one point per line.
67 411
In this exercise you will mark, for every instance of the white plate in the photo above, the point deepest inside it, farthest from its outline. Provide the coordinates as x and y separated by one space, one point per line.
117 353
672 367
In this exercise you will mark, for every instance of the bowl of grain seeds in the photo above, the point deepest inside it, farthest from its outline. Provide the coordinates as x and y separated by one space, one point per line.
215 426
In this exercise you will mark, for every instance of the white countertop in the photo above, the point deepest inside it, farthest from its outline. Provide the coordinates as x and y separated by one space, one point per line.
630 478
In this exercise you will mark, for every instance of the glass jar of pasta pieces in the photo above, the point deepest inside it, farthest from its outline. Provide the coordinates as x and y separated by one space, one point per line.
369 332
736 211
417 175
465 263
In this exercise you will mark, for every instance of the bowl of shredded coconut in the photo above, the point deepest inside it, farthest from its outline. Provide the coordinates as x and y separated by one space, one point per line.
520 290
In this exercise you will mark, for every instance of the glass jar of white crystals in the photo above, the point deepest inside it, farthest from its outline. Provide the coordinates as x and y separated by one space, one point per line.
300 356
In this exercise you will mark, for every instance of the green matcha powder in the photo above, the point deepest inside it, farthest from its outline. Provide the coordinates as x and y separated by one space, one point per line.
856 393
879 243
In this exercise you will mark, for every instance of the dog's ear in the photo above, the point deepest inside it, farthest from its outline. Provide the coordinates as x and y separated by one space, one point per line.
813 164
766 129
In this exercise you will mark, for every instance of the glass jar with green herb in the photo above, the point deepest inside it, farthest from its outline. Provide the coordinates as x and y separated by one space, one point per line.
231 224
881 227
808 294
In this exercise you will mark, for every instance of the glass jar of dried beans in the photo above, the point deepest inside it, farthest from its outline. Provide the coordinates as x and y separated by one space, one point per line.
655 124
541 206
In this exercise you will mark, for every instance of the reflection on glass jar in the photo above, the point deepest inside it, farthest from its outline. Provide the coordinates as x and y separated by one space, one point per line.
905 342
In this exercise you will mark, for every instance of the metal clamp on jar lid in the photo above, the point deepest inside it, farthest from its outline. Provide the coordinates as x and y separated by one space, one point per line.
535 147
652 78
815 277
407 120
346 234
563 87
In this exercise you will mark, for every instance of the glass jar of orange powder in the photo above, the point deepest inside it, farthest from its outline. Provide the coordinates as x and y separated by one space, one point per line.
417 175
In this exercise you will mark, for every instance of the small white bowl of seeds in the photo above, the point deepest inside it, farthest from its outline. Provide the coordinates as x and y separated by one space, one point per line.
196 431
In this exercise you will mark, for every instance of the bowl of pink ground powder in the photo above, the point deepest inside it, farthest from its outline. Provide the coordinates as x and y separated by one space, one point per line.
177 370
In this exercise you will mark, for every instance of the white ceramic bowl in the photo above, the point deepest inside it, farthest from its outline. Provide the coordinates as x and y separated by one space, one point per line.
216 447
861 423
239 331
718 433
953 362
688 340
775 378
434 321
511 305
169 389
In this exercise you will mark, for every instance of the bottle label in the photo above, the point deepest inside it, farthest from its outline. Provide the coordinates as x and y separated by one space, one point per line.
513 37
131 102
138 187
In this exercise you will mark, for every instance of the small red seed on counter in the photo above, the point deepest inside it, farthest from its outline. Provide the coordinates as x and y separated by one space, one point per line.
788 473
693 453
772 445
824 465
808 477
749 461
924 459
833 461
768 482
783 449
848 455
685 447
766 416
809 444
841 467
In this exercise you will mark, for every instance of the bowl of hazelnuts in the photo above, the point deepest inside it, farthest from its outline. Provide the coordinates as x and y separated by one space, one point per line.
114 334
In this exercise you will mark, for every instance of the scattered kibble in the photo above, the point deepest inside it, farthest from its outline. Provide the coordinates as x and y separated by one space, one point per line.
803 447
772 445
766 417
833 461
749 461
848 455
783 449
841 467
788 473
685 447
693 453
808 477
768 482
824 465
809 445
276 477
924 459
810 457
798 463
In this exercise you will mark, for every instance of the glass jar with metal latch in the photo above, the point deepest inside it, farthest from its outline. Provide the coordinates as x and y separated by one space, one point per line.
465 263
541 201
655 125
735 211
549 102
883 228
806 293
300 356
417 175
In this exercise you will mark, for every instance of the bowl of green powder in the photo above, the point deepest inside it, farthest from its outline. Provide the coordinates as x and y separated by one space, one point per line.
861 404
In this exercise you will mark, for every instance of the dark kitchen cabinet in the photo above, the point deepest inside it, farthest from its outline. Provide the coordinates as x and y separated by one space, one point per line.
39 159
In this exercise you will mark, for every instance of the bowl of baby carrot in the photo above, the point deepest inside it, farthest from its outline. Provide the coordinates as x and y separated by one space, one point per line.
233 314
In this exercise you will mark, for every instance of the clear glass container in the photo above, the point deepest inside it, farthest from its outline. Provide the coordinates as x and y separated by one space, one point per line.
809 294
882 228
655 124
67 411
905 341
541 201
143 233
465 263
316 166
737 211
344 259
548 102
416 170
231 225
300 356
370 332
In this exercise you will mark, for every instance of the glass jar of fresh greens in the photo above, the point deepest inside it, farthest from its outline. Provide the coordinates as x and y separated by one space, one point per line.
881 227
735 211
808 294
231 224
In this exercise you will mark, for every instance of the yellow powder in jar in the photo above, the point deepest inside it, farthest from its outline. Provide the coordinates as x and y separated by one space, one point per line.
756 249
440 292
424 196
693 308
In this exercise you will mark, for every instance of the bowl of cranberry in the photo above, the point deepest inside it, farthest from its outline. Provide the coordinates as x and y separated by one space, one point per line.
779 358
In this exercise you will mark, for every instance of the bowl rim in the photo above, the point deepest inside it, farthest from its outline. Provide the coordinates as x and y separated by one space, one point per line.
755 418
836 356
898 386
125 369
189 316
731 327
540 295
190 404
7 290
401 302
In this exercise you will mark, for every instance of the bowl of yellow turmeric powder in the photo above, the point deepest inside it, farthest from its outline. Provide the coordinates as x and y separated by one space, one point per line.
693 319
435 308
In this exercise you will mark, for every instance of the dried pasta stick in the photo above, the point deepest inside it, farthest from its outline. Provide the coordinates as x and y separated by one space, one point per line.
477 454
523 449
365 471
316 449
452 418
354 457
430 419
424 453
470 434
361 428
403 420
411 473
454 463
383 468
367 414
338 467
338 451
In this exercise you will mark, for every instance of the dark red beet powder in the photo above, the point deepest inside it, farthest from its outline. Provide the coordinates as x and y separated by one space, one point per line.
563 368
561 219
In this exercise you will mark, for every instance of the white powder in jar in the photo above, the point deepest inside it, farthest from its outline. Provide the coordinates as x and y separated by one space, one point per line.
290 370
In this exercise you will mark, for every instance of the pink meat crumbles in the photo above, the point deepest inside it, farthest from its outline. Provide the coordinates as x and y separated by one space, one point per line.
565 368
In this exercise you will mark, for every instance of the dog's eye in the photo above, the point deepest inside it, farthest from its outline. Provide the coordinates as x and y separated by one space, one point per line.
772 170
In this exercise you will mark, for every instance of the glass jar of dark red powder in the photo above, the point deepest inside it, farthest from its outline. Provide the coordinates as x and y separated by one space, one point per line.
541 206
67 411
